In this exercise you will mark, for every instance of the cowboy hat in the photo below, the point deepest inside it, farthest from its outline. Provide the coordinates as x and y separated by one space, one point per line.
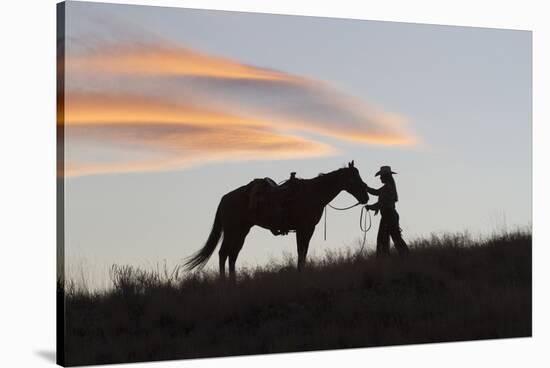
385 170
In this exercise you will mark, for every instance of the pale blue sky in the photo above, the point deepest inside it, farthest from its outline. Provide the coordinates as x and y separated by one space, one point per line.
465 92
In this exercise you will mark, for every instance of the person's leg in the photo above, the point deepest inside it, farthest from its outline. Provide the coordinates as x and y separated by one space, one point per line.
383 239
399 243
395 232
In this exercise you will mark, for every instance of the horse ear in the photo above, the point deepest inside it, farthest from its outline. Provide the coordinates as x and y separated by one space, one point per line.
352 163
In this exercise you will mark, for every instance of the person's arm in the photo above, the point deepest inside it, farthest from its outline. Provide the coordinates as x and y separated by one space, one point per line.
373 191
378 192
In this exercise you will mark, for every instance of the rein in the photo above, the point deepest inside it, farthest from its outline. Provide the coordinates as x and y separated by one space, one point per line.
362 221
343 208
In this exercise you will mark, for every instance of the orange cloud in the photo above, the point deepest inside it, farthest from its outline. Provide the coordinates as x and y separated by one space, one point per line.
165 136
100 108
169 61
293 101
148 108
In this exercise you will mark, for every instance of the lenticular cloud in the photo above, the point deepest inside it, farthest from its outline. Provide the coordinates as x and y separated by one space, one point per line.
149 107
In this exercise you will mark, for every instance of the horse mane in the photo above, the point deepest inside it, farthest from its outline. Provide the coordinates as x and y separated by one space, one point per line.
332 172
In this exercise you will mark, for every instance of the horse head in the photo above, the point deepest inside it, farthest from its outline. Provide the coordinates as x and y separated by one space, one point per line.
353 184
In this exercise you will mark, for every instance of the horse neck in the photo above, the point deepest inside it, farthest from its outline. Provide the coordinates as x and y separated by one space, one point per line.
326 187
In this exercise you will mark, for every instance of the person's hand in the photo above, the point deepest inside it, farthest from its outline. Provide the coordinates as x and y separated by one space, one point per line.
371 207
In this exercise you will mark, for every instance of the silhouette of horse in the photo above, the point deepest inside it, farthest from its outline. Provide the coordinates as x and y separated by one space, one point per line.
235 217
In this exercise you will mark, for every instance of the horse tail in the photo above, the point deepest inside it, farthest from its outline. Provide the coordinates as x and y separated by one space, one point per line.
200 258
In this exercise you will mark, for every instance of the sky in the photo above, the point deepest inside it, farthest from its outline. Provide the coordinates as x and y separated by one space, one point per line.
168 109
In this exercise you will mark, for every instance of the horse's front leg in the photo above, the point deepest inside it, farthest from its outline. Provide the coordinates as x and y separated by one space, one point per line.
303 236
223 257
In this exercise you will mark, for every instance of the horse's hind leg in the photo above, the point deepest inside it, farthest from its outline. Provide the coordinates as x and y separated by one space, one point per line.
237 241
223 257
303 236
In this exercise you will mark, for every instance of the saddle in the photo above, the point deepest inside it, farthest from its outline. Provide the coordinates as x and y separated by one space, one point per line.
271 203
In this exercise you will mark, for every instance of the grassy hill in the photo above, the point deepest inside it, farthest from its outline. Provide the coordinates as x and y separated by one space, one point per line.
449 288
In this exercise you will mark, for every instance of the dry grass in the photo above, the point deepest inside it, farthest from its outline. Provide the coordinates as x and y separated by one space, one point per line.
450 288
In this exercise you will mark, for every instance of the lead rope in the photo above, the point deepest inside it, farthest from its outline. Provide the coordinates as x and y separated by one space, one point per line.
363 227
362 223
325 223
